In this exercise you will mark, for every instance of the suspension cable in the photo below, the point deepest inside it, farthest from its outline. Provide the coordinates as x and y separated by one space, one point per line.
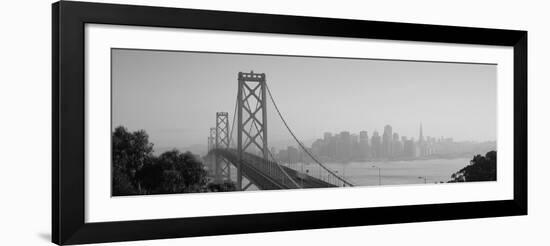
269 151
301 144
233 124
284 171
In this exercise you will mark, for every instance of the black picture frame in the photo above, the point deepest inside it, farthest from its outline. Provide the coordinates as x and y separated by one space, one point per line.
68 118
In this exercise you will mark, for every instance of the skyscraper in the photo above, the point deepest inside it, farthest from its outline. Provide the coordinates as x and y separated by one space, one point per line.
409 148
397 146
327 136
422 144
376 149
387 141
421 136
363 145
344 146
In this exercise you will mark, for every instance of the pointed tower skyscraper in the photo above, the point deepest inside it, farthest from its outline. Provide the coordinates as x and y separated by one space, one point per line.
421 136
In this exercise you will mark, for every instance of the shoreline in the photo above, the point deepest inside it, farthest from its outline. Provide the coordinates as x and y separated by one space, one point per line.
396 159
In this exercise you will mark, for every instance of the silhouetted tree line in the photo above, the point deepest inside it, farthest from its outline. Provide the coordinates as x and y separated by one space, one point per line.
136 171
481 168
220 187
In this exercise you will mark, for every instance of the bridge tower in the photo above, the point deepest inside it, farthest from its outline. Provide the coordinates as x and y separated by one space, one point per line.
211 139
211 144
223 167
251 117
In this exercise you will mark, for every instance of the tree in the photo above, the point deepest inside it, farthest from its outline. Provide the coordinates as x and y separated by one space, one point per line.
222 187
150 177
137 171
131 149
130 152
481 168
122 185
172 172
185 172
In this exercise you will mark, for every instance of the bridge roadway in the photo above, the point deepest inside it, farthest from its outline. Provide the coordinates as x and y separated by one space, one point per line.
267 175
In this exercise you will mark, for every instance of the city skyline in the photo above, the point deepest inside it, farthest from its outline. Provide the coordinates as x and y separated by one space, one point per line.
201 148
157 91
349 146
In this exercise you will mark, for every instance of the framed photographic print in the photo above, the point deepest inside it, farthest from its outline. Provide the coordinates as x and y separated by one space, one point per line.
175 122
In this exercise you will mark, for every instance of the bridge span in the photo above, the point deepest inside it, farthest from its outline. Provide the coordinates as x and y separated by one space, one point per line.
250 119
269 175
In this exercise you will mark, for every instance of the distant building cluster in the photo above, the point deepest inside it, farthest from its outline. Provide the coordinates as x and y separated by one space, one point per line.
346 147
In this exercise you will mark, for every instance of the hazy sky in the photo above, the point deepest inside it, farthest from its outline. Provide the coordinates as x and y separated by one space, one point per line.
174 96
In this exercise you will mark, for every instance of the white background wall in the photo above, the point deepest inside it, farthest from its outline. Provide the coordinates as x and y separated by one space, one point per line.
25 102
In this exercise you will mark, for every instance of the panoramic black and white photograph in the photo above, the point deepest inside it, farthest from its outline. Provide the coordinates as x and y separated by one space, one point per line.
199 122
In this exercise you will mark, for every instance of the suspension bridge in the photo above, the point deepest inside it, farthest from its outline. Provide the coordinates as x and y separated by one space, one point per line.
255 164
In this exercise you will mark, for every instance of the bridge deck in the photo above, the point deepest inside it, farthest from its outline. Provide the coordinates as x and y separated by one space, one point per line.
268 175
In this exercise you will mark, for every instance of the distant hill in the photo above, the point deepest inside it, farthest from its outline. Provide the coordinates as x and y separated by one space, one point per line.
197 149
